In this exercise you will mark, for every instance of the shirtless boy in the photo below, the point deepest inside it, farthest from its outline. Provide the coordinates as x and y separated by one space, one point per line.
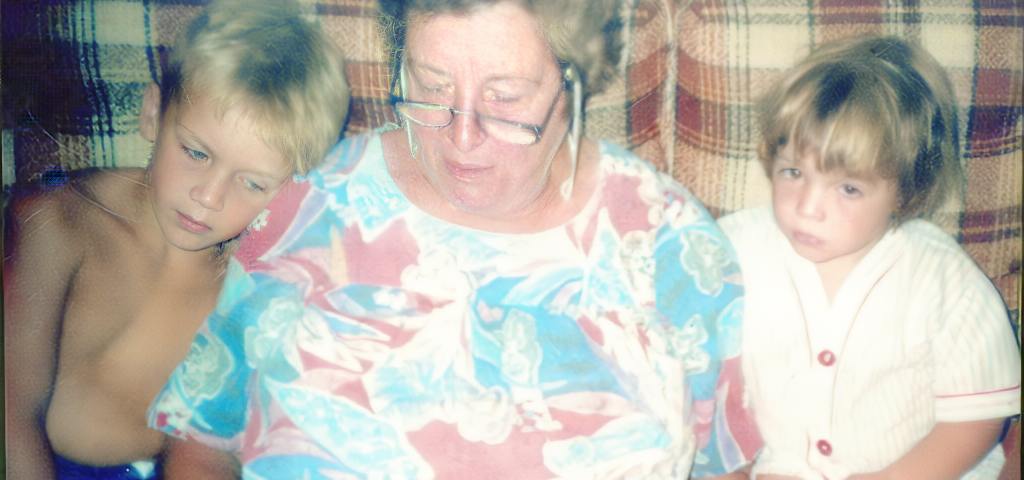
107 278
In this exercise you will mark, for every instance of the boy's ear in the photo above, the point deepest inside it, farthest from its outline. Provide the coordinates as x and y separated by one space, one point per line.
149 117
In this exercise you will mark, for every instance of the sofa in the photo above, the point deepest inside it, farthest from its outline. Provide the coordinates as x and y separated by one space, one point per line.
73 74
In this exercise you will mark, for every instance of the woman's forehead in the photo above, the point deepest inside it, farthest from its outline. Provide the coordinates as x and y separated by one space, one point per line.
495 38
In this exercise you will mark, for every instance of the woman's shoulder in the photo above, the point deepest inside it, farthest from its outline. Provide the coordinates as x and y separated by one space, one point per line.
615 158
348 153
617 162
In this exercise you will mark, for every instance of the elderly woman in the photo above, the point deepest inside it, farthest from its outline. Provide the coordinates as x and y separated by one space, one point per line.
481 293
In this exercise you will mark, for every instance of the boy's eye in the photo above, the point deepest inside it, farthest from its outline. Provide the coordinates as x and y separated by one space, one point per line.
196 154
252 186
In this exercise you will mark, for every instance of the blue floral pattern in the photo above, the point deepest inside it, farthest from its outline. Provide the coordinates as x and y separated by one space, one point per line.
367 339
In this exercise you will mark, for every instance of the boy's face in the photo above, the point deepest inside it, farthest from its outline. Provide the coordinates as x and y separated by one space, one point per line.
210 177
833 218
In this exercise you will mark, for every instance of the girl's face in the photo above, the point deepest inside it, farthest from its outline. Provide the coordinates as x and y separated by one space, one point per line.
465 62
210 176
830 218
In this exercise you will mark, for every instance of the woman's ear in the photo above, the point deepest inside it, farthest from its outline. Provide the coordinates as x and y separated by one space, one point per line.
149 117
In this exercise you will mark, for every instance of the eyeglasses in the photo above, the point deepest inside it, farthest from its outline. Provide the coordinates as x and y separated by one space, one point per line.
438 116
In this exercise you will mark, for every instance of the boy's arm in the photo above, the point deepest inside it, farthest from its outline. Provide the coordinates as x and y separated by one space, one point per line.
40 260
949 450
191 460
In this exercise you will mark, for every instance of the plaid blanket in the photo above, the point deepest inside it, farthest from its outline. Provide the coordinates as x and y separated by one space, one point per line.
73 73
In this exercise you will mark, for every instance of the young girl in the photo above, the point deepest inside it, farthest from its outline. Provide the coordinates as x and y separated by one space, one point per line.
874 347
107 279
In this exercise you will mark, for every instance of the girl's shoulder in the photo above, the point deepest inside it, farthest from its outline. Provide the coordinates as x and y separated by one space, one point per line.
926 243
751 224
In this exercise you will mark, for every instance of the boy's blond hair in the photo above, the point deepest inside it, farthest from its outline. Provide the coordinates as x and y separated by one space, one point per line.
870 105
279 70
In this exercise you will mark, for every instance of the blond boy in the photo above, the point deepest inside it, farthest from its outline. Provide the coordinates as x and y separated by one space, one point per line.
107 278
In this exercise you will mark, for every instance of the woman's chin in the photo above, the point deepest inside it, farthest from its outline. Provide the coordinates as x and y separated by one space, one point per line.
478 205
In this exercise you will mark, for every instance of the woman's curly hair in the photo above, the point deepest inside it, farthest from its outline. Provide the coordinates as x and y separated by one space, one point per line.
583 33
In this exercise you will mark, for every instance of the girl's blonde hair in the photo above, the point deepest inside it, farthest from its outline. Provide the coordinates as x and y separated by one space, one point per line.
870 105
263 59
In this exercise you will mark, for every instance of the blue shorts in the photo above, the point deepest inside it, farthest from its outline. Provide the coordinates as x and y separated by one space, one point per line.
71 470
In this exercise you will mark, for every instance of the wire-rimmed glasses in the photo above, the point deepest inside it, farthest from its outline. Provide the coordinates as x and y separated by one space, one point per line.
438 116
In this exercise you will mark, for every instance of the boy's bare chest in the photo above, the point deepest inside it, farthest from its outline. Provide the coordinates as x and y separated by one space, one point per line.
129 322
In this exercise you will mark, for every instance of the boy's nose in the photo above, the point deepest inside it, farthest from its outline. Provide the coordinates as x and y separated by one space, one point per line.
210 193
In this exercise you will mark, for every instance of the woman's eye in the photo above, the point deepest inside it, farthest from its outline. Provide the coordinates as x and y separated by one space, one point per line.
434 90
506 99
850 190
252 186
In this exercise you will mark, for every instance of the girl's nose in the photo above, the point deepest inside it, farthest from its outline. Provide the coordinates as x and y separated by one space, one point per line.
809 202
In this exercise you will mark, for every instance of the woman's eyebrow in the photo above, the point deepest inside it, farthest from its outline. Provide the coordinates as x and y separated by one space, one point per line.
415 66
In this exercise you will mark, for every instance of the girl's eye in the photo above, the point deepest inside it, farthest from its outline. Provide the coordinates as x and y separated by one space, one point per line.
252 186
850 190
196 154
790 173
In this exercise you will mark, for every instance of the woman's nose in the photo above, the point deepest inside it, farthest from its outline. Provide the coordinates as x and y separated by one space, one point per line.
210 192
465 132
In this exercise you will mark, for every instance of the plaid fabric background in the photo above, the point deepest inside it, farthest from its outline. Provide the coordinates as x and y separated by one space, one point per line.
74 71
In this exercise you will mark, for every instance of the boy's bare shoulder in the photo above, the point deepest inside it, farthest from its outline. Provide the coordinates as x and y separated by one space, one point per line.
68 213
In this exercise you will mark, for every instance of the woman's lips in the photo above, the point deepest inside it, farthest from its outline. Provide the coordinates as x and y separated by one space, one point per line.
466 171
191 224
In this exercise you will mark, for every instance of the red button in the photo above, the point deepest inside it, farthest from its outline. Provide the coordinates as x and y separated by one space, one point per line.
824 447
826 358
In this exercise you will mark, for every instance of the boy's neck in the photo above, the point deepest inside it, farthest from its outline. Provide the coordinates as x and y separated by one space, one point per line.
148 231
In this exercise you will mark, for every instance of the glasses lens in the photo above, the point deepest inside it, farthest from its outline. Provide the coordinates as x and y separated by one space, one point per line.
430 115
426 115
508 132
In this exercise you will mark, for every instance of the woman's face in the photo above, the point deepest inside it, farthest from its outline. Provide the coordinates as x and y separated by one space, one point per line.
494 62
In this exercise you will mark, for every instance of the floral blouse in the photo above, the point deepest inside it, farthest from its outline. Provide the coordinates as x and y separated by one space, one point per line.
359 337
